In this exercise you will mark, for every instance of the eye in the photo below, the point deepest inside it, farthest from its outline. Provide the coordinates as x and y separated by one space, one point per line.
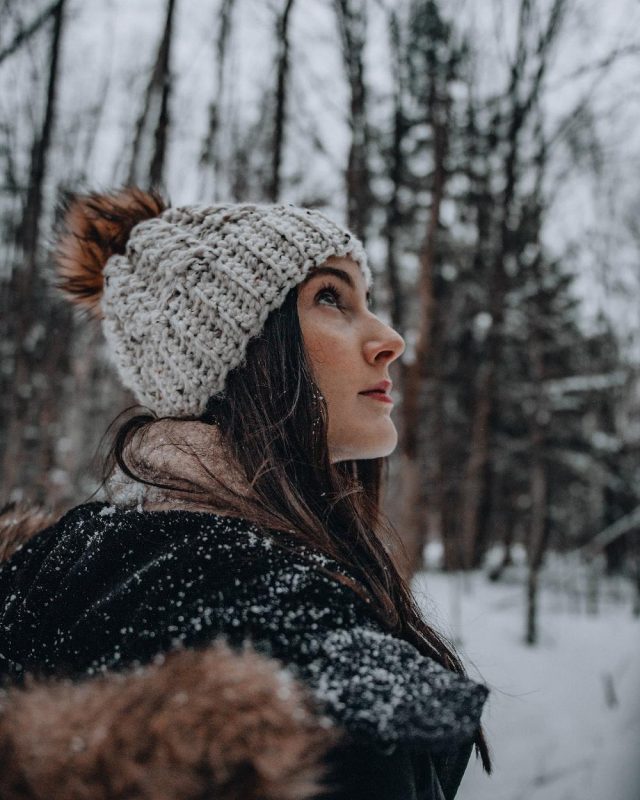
332 291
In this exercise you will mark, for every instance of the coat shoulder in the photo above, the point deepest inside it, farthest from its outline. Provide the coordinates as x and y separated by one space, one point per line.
104 589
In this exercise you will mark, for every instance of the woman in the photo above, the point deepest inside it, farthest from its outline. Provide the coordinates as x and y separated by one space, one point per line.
244 511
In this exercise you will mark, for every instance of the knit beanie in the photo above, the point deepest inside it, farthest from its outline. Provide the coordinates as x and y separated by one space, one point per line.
181 291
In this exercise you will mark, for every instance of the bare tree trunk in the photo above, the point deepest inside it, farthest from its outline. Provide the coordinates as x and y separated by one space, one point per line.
153 125
503 532
396 169
210 155
279 121
28 293
413 517
475 470
352 20
450 531
28 235
537 531
434 490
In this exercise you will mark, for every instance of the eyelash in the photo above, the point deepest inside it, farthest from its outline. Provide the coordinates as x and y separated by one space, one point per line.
330 289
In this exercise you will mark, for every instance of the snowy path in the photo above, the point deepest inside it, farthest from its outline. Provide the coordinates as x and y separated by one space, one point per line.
563 718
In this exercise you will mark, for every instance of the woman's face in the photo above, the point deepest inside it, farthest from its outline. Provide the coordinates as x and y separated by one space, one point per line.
350 350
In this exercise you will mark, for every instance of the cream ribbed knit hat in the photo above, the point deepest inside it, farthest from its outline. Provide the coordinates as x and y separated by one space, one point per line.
182 291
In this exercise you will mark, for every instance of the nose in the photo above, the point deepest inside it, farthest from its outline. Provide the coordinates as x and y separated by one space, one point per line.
384 345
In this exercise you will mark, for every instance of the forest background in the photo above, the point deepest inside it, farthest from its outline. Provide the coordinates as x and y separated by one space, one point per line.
487 154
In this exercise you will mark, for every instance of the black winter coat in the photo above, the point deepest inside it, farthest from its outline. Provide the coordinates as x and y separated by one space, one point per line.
107 589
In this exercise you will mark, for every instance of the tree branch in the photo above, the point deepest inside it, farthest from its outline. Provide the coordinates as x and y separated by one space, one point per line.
26 33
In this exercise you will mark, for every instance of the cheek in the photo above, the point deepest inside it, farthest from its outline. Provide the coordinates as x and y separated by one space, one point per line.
332 360
318 350
327 349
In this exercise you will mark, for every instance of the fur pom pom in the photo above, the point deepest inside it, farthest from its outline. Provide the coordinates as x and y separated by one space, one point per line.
94 227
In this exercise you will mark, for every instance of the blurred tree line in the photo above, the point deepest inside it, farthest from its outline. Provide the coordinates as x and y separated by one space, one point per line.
518 424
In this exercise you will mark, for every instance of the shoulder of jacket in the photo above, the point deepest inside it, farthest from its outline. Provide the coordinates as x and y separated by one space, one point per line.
229 554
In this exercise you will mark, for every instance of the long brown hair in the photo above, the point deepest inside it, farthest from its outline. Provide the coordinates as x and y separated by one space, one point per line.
273 419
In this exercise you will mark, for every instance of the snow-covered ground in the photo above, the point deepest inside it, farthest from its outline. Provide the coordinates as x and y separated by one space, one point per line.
563 717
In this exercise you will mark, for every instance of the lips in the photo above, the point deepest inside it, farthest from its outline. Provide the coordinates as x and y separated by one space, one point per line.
381 386
380 391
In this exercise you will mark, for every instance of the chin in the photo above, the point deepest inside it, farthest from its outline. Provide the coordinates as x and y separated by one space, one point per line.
366 447
386 450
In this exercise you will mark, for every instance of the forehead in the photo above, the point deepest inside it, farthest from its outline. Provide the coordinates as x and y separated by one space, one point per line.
342 268
343 262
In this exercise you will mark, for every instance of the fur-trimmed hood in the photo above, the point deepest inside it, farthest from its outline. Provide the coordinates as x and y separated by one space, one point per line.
207 723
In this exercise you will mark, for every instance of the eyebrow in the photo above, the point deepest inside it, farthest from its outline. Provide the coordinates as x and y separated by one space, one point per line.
337 273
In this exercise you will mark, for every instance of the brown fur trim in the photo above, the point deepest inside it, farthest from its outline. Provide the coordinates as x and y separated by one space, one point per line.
18 523
208 723
94 227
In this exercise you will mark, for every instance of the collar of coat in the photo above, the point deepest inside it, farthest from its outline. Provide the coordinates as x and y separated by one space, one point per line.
129 629
196 460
